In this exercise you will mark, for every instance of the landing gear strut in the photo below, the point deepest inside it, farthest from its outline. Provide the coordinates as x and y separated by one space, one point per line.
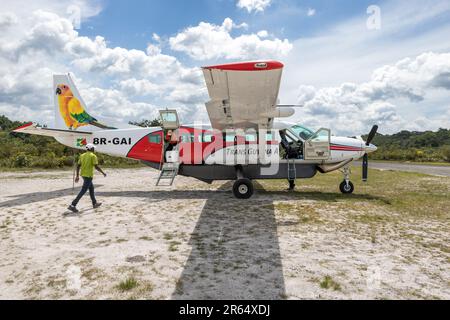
346 186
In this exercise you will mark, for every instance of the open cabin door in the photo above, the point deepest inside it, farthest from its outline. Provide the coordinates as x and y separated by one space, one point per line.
170 156
318 146
169 119
170 124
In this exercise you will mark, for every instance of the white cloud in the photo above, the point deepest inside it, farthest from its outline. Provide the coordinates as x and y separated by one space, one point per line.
209 41
45 43
254 5
113 104
263 34
331 69
7 19
63 8
350 108
348 52
135 87
311 12
156 37
153 50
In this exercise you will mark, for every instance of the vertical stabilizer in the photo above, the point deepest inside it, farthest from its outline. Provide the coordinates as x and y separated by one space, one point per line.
70 109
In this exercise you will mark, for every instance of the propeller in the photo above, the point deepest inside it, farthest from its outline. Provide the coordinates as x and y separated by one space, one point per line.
365 163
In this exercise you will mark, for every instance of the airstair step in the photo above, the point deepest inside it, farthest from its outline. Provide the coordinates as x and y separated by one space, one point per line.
168 173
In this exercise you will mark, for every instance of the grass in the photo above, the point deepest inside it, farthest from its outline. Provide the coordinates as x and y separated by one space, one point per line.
306 214
128 284
57 283
5 223
329 283
179 286
412 194
173 246
92 274
168 236
445 164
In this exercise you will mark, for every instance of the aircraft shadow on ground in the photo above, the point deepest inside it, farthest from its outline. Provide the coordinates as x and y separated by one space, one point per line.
235 251
225 192
29 198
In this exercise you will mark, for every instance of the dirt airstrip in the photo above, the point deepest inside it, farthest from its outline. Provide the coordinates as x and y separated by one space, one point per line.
196 241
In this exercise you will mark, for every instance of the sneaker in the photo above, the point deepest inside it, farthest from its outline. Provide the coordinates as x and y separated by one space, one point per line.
73 209
96 205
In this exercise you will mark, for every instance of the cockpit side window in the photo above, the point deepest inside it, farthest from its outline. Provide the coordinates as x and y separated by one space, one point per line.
303 132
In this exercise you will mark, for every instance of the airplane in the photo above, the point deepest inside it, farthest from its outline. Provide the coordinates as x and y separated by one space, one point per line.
248 138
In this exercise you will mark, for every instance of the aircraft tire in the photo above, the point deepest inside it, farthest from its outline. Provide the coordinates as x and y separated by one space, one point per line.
347 189
243 188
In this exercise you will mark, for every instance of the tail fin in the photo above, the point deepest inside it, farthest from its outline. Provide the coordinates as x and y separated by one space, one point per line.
70 108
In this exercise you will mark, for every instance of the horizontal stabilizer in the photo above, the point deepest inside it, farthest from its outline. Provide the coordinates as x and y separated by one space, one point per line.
32 128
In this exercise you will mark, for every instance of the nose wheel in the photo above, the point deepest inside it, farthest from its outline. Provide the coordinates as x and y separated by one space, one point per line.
243 188
346 186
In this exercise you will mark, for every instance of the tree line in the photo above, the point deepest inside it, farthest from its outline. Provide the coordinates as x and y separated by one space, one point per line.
427 146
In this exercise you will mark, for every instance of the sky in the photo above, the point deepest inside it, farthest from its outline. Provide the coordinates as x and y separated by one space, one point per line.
351 64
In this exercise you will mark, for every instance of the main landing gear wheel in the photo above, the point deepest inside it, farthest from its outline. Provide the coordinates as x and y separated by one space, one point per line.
347 188
243 188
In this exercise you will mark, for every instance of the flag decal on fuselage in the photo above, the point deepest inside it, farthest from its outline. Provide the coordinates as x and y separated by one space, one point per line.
81 142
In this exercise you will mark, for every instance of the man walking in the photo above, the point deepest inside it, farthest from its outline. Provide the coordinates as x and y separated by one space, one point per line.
87 162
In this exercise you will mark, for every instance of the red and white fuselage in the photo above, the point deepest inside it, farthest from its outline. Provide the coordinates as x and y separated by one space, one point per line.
197 146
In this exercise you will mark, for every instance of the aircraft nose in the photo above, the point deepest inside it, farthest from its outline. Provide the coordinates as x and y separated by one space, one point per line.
371 148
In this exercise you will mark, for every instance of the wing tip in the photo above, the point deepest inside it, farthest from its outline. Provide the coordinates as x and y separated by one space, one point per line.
29 124
248 66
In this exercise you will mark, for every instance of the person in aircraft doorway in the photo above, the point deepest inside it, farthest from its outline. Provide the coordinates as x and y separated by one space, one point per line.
291 153
171 141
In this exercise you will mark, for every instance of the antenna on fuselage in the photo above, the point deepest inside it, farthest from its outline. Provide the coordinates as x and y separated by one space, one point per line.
290 105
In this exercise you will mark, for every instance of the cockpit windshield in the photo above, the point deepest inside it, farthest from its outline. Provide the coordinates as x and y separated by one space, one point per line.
302 132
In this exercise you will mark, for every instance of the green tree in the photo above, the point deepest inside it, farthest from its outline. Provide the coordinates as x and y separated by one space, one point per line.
146 123
446 153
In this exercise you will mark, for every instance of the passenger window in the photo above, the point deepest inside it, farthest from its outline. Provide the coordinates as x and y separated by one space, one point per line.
269 136
230 138
154 138
187 138
207 137
250 138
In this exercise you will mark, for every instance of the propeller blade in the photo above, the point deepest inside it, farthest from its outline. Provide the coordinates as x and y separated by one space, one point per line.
372 134
365 167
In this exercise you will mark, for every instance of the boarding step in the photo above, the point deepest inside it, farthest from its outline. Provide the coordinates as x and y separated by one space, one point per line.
168 173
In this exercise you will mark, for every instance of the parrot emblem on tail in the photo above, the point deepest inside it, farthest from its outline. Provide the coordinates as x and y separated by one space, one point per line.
72 111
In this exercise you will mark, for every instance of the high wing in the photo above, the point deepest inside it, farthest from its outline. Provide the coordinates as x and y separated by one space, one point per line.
244 95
